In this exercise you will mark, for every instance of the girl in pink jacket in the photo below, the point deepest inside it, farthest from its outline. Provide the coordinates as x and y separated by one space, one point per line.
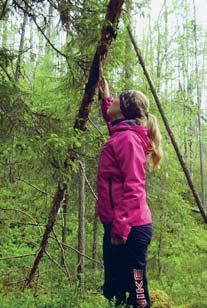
122 201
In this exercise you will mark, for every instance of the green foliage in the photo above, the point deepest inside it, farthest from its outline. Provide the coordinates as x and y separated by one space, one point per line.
36 129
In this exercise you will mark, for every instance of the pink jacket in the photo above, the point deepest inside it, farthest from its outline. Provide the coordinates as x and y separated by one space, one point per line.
122 175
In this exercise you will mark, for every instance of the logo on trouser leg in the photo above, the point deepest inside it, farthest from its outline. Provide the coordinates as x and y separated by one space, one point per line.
140 296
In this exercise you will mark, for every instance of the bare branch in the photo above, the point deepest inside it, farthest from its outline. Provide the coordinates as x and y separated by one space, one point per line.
78 252
17 257
167 126
28 183
63 255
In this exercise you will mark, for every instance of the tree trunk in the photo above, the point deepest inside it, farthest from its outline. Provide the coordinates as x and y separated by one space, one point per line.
64 226
21 46
198 91
81 227
128 66
5 26
107 34
171 135
95 240
50 12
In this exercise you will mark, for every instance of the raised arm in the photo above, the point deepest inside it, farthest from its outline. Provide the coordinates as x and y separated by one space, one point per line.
106 101
105 105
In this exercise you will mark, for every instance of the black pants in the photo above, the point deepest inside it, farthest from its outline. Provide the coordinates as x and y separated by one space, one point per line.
125 267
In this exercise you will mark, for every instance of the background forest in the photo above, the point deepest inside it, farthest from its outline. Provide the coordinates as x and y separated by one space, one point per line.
46 51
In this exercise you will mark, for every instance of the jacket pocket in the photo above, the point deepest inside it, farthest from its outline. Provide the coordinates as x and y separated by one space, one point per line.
110 191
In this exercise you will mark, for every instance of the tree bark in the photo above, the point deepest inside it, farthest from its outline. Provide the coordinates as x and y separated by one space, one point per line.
95 240
5 17
81 227
128 71
50 12
167 126
64 226
107 34
21 46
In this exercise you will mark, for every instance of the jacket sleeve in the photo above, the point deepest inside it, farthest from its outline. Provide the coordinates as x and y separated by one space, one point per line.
105 104
131 159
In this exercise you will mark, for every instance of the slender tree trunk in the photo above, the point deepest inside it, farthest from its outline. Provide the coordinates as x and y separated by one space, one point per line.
159 250
81 226
159 65
10 163
166 36
198 91
31 41
10 159
151 47
128 65
171 135
49 26
5 29
64 226
21 47
95 239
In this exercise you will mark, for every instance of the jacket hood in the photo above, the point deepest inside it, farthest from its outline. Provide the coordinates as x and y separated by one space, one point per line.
140 130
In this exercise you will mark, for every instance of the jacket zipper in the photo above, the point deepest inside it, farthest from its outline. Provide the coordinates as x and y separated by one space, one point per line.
110 192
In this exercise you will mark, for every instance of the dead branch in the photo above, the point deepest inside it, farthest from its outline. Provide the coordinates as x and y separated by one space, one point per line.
95 126
51 220
89 185
20 256
167 126
28 183
78 252
63 256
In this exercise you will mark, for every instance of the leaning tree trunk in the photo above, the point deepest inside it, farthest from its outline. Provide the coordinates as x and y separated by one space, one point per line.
167 126
112 17
107 34
51 221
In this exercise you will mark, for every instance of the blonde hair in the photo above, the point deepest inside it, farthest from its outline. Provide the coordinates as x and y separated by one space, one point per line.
156 152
